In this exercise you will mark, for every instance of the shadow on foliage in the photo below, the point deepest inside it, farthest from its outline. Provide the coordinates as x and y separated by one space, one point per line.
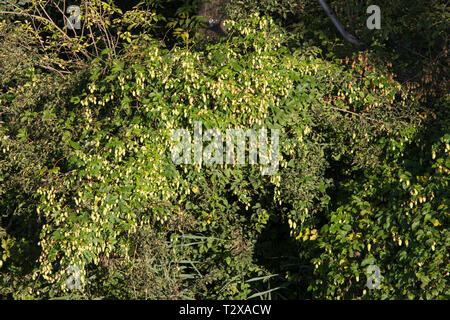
282 256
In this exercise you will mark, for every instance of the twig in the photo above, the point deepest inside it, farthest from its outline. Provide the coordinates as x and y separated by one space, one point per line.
354 113
44 19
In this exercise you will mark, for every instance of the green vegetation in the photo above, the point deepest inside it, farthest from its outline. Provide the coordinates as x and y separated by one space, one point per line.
87 178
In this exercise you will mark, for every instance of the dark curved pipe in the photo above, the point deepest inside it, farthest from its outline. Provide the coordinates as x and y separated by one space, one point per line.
349 37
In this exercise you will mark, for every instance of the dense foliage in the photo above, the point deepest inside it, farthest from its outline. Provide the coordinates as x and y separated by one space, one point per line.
87 177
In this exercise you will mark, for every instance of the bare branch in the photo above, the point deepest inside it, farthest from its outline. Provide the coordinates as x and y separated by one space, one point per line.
349 37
